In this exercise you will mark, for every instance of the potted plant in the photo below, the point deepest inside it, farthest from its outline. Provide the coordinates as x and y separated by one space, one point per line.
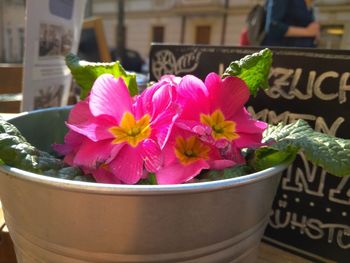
183 172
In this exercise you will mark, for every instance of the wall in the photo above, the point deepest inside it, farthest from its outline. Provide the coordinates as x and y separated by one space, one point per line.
12 31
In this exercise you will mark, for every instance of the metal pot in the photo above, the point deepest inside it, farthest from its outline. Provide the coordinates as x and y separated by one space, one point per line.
57 221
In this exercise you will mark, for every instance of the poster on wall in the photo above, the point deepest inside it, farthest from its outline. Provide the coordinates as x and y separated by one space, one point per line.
311 210
52 30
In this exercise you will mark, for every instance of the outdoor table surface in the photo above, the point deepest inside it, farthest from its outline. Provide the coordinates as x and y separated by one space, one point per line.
267 253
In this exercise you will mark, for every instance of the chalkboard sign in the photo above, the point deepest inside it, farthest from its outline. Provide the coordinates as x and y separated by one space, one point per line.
311 211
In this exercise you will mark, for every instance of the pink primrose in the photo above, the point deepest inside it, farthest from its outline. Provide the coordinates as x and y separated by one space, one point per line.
214 110
185 156
115 135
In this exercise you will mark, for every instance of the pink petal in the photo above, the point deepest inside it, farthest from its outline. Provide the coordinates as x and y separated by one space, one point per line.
230 152
151 155
95 129
72 140
101 175
92 154
192 88
193 95
69 158
110 96
162 99
169 152
248 140
229 96
127 166
193 126
221 164
156 98
62 149
162 126
246 123
171 79
177 173
213 82
80 113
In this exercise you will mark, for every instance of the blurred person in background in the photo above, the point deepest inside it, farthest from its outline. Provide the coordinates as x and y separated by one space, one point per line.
291 23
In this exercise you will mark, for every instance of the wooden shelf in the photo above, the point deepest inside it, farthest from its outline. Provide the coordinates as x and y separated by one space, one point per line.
270 254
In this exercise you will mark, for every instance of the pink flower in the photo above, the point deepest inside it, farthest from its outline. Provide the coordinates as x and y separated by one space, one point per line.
175 129
112 129
185 156
73 140
215 111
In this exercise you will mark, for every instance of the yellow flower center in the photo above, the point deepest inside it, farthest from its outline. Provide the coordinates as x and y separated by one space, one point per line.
130 130
221 129
190 150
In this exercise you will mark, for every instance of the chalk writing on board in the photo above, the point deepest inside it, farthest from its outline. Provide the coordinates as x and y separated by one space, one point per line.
341 194
311 227
286 117
285 84
307 180
165 62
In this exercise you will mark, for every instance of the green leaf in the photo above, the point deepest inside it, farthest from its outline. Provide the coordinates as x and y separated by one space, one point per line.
16 153
329 152
85 73
47 162
232 172
6 127
266 157
150 180
253 69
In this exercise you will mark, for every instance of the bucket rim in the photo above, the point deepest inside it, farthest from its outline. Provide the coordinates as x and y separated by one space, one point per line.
92 187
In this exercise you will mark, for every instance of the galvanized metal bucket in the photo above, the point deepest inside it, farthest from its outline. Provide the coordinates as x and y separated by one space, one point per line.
57 221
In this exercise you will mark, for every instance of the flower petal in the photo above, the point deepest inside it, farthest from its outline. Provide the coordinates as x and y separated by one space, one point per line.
127 166
80 112
213 82
177 173
92 154
72 141
248 140
156 98
151 155
221 164
162 99
192 88
102 175
95 129
193 95
162 126
230 95
110 96
246 123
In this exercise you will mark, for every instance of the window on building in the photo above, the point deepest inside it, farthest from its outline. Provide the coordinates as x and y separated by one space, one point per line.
202 35
21 41
158 34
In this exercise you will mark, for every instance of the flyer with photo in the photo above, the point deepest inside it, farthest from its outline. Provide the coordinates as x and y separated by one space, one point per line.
53 30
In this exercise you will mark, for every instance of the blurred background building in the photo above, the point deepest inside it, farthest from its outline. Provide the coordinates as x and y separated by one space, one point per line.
11 30
134 24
